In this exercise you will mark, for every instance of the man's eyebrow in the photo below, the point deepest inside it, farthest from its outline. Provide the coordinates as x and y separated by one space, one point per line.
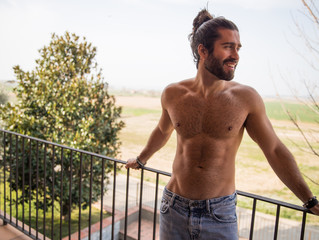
231 43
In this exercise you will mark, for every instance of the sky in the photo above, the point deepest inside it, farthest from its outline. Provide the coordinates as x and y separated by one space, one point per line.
143 44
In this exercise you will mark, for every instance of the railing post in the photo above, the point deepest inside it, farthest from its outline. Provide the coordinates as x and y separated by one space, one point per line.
303 225
251 234
102 193
277 222
16 180
113 199
90 201
80 196
53 181
4 180
141 205
155 206
126 202
44 189
70 192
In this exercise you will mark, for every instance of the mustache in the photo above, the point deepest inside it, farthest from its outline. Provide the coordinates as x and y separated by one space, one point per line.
232 60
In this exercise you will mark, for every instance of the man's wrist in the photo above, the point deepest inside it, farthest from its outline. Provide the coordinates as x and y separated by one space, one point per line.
139 162
311 202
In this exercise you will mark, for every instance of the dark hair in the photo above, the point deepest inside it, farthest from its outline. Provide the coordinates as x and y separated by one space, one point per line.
205 31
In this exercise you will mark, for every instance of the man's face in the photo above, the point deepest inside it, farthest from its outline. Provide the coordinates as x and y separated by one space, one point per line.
223 61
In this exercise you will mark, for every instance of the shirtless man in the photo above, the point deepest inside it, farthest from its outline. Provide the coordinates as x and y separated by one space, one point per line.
209 114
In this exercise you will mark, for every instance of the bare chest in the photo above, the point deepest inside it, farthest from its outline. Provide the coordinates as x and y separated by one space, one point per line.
218 118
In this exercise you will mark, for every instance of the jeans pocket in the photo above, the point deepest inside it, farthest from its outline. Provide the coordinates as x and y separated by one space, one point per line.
164 206
225 213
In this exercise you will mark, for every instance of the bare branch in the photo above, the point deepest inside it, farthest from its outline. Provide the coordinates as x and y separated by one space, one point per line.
315 18
310 179
293 120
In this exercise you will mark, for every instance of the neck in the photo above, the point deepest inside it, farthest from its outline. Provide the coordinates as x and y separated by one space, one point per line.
207 83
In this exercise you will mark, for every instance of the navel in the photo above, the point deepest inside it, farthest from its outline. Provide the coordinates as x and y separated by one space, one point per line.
230 128
178 124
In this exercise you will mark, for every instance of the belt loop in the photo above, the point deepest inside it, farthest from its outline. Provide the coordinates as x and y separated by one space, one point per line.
171 201
208 205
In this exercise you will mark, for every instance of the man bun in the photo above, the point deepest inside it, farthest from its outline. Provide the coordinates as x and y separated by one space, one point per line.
202 16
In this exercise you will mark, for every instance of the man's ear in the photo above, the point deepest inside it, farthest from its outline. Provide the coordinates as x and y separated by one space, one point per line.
202 51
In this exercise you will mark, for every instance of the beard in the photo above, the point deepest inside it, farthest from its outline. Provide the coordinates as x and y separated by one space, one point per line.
216 67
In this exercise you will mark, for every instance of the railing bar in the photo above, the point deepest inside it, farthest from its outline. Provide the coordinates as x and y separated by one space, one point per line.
37 192
10 179
70 193
86 152
252 220
30 177
113 200
16 180
90 200
44 189
53 181
277 222
155 207
269 200
140 207
2 162
23 183
4 179
80 195
61 192
102 193
303 225
126 202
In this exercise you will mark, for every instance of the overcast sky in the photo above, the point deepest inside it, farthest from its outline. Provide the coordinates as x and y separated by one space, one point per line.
143 44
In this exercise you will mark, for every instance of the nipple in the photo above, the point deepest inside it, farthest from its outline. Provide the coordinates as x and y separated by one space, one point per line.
230 128
178 124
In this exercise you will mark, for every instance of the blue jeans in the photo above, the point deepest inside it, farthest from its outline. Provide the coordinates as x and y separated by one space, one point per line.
183 219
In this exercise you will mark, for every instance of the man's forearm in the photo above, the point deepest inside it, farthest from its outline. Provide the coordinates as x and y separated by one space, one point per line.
286 168
155 142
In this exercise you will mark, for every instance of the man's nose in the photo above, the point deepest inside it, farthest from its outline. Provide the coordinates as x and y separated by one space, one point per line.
235 54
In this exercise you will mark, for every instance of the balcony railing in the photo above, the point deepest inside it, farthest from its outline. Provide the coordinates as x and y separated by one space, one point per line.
36 176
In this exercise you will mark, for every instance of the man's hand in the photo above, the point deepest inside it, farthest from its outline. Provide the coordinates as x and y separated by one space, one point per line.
315 210
132 163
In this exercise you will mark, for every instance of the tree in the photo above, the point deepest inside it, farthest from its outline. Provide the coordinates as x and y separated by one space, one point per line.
311 85
65 100
3 97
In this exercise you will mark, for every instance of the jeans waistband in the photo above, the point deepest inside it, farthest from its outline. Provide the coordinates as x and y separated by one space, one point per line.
174 198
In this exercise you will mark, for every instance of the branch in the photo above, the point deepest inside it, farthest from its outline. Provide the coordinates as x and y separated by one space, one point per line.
315 18
302 133
310 179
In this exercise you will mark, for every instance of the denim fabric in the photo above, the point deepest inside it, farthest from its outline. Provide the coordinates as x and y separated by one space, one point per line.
183 219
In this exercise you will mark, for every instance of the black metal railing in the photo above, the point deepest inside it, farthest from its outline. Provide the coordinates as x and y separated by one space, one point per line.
41 183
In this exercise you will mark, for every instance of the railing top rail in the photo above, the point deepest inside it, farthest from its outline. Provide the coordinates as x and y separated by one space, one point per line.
83 151
272 201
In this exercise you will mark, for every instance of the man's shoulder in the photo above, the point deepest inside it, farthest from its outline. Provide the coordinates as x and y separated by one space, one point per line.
175 90
247 95
178 87
242 90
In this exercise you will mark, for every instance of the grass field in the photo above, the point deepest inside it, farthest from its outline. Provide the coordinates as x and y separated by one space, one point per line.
253 173
36 218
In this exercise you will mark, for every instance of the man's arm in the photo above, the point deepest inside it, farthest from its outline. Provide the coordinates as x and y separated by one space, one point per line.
157 139
279 157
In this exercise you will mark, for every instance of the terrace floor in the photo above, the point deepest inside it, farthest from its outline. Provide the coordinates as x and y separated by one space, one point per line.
7 232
